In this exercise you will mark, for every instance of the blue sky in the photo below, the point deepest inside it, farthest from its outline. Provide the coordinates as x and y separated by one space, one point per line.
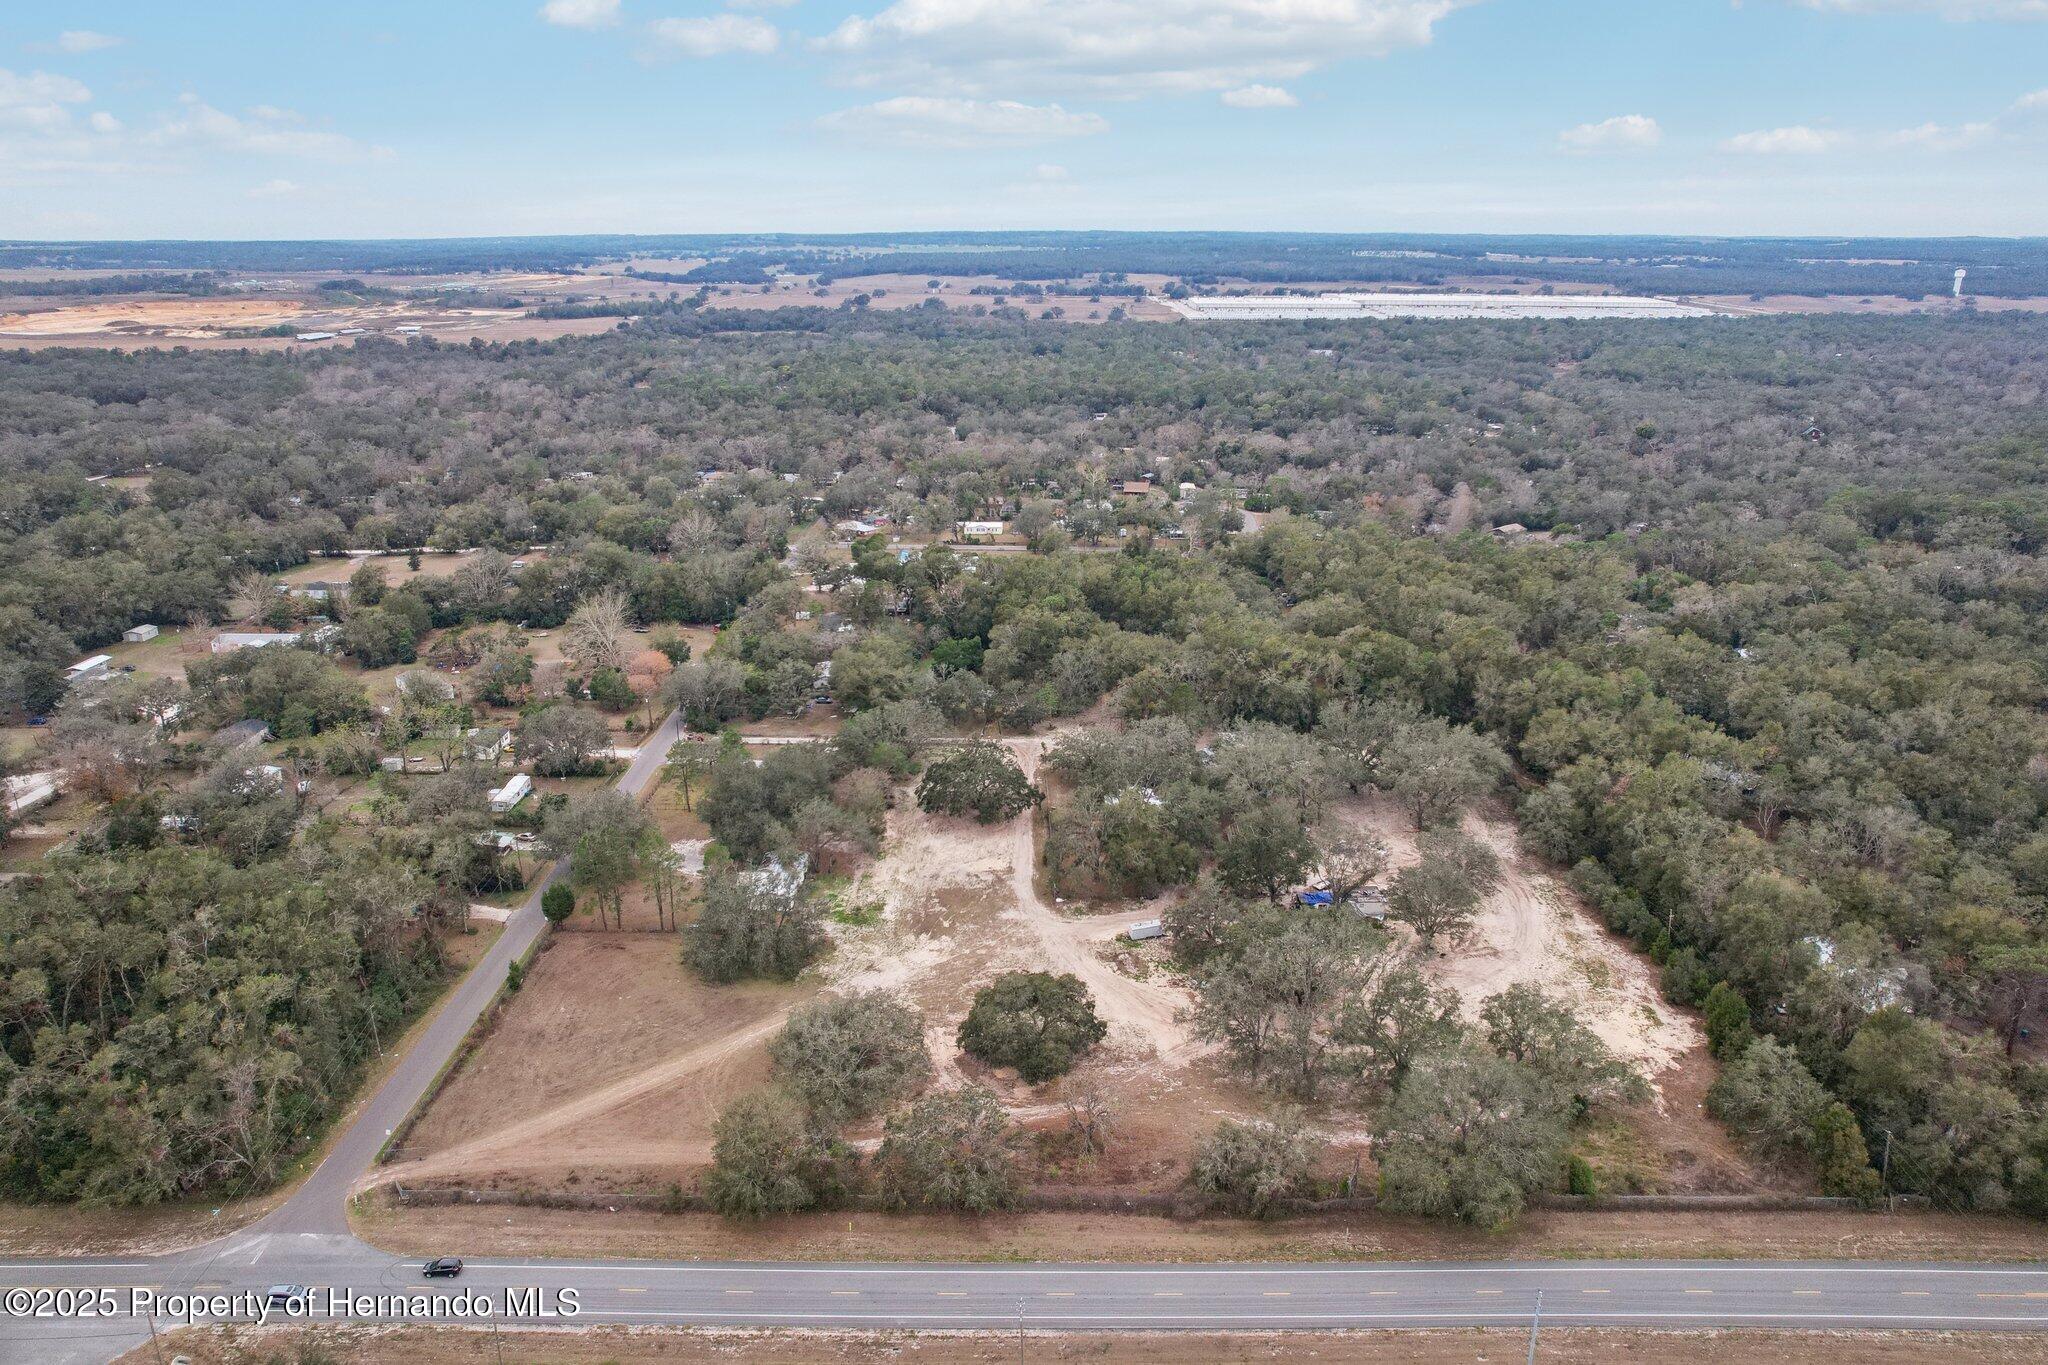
234 118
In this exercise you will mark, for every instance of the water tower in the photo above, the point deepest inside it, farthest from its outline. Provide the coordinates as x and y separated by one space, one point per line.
1957 292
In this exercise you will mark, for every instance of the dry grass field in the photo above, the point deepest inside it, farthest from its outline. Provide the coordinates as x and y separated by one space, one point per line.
1449 1346
1602 1234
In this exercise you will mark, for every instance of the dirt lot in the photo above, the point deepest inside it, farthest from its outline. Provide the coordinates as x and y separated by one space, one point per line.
1540 1234
621 1060
605 1021
1533 931
1450 1346
171 317
963 904
206 324
611 1036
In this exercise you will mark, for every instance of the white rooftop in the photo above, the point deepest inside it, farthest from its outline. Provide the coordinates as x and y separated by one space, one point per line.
1373 304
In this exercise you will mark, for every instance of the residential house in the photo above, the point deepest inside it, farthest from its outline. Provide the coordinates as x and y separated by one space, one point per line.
241 734
487 744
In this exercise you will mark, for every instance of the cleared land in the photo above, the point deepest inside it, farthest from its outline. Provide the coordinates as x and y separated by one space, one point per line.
229 320
1532 931
1560 1346
620 1059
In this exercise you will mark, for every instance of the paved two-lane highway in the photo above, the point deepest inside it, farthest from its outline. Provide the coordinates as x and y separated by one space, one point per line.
381 1287
305 1241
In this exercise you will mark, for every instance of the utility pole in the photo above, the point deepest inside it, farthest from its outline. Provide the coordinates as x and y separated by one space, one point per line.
1535 1326
1020 1329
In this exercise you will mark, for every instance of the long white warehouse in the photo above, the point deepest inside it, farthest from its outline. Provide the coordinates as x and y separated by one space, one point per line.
1269 307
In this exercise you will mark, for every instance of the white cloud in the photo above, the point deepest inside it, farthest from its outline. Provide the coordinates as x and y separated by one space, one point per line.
1797 140
930 121
716 35
1259 97
581 13
267 131
1800 140
38 100
275 189
1048 174
1624 131
77 40
1121 47
1945 9
40 128
1942 137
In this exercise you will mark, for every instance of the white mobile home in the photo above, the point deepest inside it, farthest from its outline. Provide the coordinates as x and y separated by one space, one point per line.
516 789
228 641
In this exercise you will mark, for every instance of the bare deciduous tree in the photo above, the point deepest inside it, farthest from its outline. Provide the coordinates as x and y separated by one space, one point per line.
599 633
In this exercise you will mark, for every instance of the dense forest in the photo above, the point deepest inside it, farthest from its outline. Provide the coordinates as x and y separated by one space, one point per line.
1753 608
2000 267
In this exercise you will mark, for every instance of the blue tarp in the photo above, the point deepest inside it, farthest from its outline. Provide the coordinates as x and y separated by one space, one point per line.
1315 898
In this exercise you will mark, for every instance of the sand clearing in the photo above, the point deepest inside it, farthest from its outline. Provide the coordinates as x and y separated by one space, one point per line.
1533 931
173 317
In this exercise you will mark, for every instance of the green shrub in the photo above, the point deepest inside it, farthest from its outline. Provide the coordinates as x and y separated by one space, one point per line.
1035 1021
558 902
